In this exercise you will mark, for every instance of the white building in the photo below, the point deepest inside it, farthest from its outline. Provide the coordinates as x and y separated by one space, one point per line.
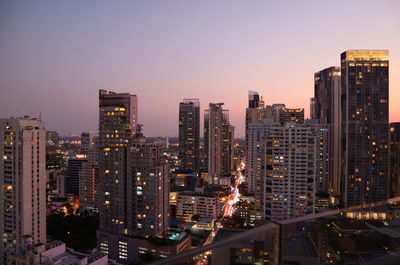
289 159
190 203
23 182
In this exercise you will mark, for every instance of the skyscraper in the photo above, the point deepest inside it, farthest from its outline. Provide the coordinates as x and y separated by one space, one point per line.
327 111
88 180
72 177
365 126
23 182
255 112
218 143
289 171
118 121
394 180
189 135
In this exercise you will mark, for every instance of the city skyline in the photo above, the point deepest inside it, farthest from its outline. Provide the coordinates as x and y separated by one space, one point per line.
56 55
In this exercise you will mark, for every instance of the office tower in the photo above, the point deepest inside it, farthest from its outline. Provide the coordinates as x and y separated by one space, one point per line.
189 135
88 180
118 120
72 178
327 111
86 142
313 113
365 126
23 182
394 180
289 157
52 137
218 143
291 115
255 112
258 132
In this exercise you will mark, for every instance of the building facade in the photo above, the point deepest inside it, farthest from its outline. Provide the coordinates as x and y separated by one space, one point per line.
190 203
326 110
189 135
218 143
89 180
365 126
23 182
86 142
394 181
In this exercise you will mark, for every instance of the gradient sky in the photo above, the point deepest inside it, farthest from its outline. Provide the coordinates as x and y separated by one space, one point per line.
55 55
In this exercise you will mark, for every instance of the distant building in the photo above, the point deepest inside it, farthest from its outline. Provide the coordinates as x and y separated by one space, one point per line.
365 126
189 135
88 180
86 142
71 181
23 182
218 143
394 180
52 137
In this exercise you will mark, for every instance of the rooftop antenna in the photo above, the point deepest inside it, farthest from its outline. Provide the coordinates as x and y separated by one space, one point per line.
40 115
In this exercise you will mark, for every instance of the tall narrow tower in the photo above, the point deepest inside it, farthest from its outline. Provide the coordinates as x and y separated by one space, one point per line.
23 182
365 126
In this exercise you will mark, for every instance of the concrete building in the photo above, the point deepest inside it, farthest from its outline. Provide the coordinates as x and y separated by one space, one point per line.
23 182
71 181
289 158
89 180
255 113
326 110
218 143
118 121
394 180
189 135
54 252
365 126
189 203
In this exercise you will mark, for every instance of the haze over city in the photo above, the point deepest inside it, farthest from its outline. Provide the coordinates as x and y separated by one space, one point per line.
54 56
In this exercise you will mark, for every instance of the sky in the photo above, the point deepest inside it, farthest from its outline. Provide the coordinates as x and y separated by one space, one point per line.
55 55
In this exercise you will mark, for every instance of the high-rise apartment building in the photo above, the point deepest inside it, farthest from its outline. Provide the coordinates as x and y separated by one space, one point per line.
365 126
255 112
147 189
189 135
326 110
86 142
72 178
23 182
118 121
394 180
289 157
218 143
88 180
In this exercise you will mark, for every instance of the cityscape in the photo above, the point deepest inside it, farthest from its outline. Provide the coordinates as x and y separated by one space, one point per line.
276 182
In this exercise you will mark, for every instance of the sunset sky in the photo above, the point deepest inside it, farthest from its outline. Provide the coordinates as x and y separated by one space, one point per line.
55 55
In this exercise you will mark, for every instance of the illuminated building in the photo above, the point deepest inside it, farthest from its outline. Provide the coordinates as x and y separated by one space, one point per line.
52 137
255 112
71 180
23 182
365 126
189 135
326 110
291 115
394 180
88 180
189 203
118 120
289 172
86 142
218 143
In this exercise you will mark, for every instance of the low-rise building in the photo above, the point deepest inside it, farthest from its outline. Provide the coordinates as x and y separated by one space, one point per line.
191 203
